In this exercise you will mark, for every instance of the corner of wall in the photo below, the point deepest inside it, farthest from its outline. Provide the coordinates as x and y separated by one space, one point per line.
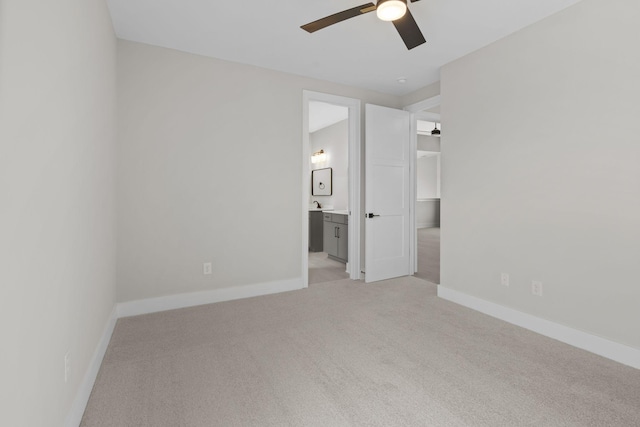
74 416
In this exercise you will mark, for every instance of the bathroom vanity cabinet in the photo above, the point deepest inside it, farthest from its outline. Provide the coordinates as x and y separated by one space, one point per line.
316 242
335 235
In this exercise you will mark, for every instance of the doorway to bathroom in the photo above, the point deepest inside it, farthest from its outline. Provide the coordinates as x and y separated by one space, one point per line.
331 242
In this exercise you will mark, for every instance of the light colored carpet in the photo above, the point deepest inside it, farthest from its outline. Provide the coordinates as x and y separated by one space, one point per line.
429 254
349 354
323 269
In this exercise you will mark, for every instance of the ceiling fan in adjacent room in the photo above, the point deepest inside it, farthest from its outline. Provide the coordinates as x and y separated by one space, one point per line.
387 10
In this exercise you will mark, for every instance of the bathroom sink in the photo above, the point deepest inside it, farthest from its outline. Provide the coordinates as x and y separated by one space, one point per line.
313 208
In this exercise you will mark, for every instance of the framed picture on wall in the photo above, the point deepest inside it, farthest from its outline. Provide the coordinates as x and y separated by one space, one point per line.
321 182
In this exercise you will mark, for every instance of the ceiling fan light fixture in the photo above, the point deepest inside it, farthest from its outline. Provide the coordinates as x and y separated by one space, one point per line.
390 10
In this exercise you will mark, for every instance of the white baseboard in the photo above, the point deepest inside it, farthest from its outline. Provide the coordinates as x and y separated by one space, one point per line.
171 302
152 305
74 417
611 350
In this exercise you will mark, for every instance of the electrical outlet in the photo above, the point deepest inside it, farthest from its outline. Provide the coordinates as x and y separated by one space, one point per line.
536 288
67 366
206 268
504 279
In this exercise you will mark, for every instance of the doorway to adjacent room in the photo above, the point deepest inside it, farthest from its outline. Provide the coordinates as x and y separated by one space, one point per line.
428 188
331 192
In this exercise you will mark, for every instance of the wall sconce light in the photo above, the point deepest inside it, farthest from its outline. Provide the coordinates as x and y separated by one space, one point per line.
319 157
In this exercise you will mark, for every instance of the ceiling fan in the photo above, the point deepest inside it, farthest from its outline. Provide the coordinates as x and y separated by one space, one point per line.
387 10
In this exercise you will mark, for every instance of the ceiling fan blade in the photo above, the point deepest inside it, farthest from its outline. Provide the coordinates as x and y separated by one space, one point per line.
409 31
338 17
413 1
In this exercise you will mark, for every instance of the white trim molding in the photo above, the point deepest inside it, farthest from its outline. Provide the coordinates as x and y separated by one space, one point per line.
611 350
74 417
426 116
425 104
413 192
191 299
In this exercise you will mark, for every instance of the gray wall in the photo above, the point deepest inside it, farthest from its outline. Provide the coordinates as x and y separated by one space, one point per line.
428 143
529 188
427 213
427 180
204 178
57 215
428 197
334 140
421 94
428 183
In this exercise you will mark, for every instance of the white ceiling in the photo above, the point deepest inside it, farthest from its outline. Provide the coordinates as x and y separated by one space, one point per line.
362 52
322 115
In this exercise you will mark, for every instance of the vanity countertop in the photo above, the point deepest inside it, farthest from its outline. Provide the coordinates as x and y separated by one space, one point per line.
344 212
313 208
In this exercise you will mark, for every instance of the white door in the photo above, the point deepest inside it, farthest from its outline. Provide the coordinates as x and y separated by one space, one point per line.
387 193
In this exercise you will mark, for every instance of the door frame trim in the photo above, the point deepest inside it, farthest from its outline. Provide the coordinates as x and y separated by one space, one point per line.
355 143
